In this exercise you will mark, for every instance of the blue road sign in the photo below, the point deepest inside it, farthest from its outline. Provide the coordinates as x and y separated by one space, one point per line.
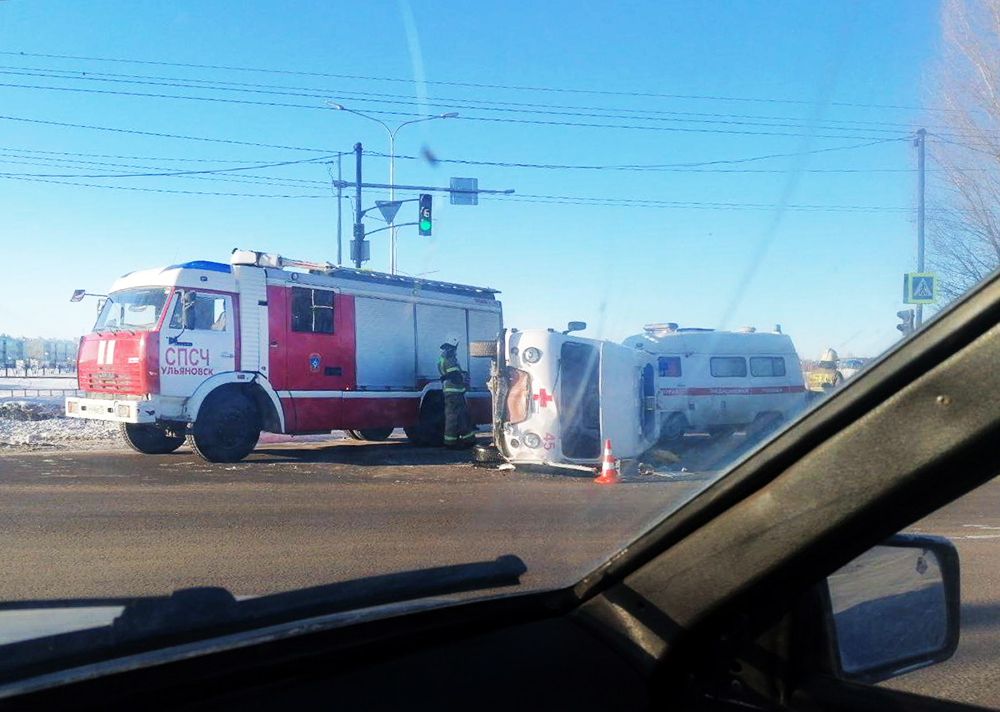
919 288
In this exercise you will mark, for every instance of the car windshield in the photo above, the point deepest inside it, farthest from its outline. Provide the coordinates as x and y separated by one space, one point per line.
132 309
448 285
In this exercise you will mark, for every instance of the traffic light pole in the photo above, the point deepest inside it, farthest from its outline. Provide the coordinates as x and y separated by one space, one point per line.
359 227
919 143
340 204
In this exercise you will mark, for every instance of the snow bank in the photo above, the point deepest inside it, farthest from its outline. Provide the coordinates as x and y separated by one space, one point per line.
39 423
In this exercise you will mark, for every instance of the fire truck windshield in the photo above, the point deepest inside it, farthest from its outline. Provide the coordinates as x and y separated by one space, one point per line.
132 309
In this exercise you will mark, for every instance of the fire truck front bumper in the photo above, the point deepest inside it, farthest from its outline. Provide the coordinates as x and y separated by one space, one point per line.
119 411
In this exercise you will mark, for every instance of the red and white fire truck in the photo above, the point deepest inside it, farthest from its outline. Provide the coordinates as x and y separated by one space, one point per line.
221 352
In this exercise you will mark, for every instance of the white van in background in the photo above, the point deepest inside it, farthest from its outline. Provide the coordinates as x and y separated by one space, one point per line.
722 381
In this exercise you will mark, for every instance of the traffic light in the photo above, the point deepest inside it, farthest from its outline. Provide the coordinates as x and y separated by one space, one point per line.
906 321
424 216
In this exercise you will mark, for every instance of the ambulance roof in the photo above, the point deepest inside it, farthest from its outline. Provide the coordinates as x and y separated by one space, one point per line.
691 341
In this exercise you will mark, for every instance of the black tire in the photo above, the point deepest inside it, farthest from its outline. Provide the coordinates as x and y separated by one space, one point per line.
429 432
486 455
374 435
354 434
227 427
415 436
763 426
482 349
149 438
672 431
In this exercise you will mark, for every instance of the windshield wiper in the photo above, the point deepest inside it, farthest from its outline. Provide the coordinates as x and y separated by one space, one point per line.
193 613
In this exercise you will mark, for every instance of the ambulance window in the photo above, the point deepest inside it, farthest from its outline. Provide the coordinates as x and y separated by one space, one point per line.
312 310
670 366
204 311
729 367
767 366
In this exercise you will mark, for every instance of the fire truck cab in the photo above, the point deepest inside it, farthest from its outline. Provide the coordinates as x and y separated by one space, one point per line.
220 352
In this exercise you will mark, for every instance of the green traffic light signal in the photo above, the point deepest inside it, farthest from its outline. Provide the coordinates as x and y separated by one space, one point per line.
424 223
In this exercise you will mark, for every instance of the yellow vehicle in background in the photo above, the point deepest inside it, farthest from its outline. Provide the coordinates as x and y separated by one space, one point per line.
825 377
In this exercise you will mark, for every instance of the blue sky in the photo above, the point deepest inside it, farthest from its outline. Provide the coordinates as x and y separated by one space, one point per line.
664 82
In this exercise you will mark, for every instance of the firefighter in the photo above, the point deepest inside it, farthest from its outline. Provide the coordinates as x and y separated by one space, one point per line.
826 377
458 430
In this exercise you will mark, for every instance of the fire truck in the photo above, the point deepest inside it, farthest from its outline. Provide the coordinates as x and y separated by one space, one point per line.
217 353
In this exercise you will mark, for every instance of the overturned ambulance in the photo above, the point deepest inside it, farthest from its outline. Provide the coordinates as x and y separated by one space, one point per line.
557 396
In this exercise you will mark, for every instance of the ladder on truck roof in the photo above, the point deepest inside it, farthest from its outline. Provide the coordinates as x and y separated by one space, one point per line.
264 259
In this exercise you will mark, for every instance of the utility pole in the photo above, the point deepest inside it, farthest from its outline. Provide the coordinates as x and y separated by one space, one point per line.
919 143
359 227
340 202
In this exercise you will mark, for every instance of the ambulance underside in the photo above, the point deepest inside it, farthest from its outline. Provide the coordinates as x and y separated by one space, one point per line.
559 410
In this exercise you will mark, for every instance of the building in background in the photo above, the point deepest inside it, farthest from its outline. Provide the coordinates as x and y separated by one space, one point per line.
21 351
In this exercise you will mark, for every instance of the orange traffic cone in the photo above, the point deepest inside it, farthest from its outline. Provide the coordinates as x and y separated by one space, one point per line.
609 473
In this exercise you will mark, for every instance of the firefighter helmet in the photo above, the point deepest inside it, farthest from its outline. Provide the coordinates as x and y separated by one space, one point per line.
450 341
829 355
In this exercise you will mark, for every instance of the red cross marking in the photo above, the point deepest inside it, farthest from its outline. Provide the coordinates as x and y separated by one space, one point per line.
542 397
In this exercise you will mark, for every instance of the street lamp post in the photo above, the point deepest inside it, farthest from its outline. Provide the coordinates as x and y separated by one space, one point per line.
392 156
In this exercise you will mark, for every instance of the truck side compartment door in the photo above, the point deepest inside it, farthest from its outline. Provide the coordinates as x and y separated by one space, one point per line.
319 354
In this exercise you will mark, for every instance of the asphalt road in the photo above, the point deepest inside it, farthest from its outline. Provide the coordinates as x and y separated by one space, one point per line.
100 524
75 524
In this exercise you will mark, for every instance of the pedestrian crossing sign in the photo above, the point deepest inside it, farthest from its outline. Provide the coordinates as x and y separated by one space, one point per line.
919 288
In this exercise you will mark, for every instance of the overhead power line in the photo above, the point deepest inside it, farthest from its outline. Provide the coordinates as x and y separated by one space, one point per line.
276 181
176 173
454 103
401 114
651 166
155 134
545 199
325 196
654 203
470 85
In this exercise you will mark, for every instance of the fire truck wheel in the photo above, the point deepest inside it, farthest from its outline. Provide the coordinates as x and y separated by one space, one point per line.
374 434
227 427
149 438
429 432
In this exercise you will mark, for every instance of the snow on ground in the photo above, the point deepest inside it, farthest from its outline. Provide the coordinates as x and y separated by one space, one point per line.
39 424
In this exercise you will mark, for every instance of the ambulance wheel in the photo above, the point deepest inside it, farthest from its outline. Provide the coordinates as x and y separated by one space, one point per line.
374 435
429 431
764 425
149 438
227 427
673 428
486 455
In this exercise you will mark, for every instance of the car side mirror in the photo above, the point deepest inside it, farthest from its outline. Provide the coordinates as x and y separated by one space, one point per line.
895 608
78 295
575 326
